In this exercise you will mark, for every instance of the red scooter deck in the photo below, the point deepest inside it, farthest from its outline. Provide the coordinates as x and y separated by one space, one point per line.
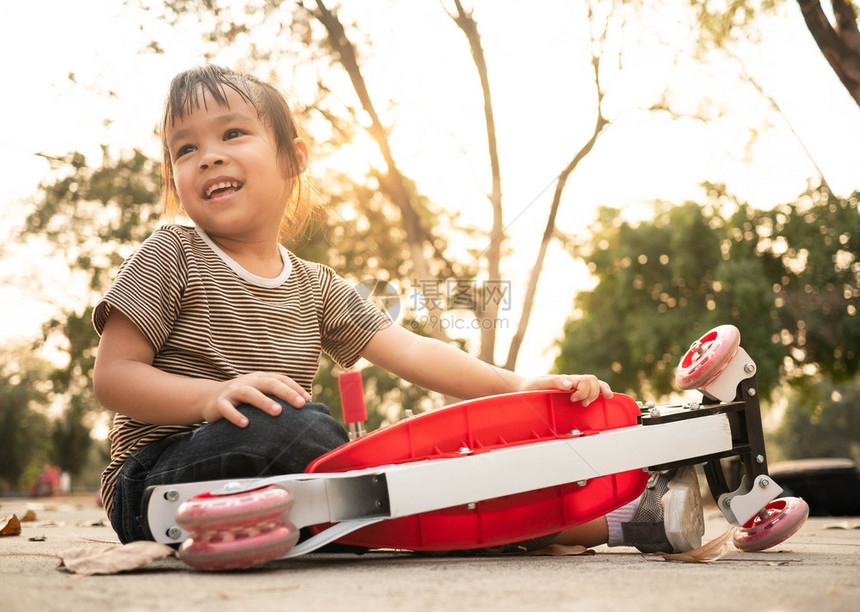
481 426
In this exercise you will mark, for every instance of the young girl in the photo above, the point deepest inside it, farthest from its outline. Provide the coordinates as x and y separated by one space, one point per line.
211 334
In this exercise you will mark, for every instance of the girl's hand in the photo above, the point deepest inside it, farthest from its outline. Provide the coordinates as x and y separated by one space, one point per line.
586 387
253 389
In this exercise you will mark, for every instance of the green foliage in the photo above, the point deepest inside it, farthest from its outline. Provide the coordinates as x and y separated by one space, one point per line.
79 341
834 29
96 216
719 26
817 296
24 429
70 437
92 215
784 277
660 283
656 288
821 420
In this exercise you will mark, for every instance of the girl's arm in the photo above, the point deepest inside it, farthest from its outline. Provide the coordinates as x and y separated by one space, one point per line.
125 381
434 365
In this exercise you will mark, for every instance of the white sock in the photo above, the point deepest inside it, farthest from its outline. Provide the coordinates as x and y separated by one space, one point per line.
624 514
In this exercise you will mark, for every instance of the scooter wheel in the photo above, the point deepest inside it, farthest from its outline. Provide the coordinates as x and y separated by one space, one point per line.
707 357
234 512
238 550
778 521
238 530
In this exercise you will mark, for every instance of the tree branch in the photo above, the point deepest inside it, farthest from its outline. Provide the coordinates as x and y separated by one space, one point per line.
840 46
392 183
752 81
488 308
846 24
549 231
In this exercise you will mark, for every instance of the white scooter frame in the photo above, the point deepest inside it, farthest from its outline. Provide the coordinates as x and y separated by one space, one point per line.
727 423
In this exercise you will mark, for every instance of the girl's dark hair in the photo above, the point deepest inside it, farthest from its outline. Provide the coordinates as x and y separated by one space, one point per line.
192 89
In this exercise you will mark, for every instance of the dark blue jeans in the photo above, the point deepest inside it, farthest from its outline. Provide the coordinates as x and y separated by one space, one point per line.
268 446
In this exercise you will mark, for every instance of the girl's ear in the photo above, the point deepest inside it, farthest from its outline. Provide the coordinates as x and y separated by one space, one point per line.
302 154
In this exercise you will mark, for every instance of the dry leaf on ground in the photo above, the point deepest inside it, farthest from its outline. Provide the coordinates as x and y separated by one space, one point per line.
47 523
560 550
843 525
101 522
10 525
718 546
112 559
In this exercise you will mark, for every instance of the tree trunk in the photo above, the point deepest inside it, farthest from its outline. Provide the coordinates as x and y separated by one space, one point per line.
392 183
840 45
549 231
528 303
487 301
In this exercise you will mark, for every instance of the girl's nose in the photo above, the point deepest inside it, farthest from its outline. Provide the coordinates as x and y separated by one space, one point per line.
211 159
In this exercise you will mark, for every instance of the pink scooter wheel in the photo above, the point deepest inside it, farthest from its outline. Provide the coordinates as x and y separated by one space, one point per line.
778 521
238 530
235 512
239 550
707 357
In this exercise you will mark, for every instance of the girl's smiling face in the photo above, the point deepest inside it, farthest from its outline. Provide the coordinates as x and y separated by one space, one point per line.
227 172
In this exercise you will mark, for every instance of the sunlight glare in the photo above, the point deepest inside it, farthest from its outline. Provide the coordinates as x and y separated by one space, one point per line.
356 159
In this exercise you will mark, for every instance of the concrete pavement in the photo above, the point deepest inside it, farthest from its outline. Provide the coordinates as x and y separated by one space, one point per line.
818 569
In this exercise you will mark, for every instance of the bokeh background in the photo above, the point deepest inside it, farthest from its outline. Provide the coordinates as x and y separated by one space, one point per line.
579 186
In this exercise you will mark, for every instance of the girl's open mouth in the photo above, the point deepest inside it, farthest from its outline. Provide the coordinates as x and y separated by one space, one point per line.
221 188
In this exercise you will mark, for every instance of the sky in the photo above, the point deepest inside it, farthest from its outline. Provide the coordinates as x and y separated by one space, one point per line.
544 105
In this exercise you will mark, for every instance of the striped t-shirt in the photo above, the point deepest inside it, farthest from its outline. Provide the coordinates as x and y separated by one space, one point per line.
208 317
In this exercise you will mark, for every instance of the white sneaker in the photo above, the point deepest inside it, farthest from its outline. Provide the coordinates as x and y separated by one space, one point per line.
669 516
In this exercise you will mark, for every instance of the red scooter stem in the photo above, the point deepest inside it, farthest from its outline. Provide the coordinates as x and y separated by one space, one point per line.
352 402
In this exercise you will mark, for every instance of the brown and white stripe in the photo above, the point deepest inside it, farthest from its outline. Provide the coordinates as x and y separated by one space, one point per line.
208 318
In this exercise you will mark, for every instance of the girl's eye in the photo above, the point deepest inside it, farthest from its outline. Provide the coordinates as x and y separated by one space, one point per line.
232 134
183 150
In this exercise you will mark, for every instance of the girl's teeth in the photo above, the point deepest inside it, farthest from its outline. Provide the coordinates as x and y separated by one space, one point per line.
215 188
